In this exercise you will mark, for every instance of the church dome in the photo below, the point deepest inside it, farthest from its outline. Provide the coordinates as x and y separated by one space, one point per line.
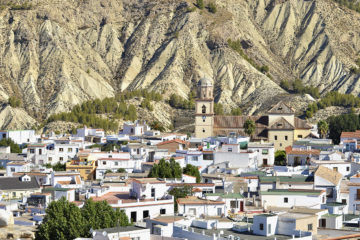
204 82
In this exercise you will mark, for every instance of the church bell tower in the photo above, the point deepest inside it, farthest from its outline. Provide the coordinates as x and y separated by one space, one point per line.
204 109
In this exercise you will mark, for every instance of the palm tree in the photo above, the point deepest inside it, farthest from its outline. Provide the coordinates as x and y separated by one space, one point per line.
323 128
249 127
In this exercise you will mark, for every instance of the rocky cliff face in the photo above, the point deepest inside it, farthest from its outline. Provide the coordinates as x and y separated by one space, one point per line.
60 53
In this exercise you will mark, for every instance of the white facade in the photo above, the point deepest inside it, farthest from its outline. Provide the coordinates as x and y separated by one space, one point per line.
83 132
199 210
194 157
244 160
265 153
354 194
19 136
14 167
135 129
265 224
311 199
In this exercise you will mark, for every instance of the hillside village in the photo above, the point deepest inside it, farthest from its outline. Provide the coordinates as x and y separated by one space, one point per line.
234 184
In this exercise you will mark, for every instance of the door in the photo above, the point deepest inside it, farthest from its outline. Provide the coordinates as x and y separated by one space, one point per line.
133 216
322 223
219 211
145 213
241 206
265 162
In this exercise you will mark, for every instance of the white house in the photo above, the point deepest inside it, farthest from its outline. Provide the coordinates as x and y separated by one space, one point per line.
113 163
194 157
234 202
66 180
328 180
17 166
244 160
199 207
293 198
265 224
136 128
19 136
84 132
342 167
354 194
147 198
265 153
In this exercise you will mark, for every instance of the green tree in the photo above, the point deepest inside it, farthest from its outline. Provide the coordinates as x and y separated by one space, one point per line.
218 109
236 112
200 4
280 158
180 192
284 84
108 171
192 171
101 215
323 128
59 167
249 127
212 7
63 220
166 169
121 170
156 125
14 148
14 102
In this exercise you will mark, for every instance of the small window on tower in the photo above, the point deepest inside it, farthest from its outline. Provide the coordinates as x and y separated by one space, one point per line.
203 109
203 130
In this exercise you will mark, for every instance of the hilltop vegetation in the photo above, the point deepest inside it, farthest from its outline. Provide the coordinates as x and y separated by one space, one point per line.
116 108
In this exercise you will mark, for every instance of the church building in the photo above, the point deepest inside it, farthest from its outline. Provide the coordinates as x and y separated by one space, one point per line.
279 125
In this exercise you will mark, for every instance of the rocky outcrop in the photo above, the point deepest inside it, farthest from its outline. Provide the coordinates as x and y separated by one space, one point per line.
60 53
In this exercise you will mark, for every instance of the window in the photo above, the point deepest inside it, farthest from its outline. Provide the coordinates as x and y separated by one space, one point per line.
280 144
358 194
265 151
153 192
32 150
229 149
104 162
12 169
49 159
116 163
269 228
286 138
203 119
347 169
261 226
69 149
300 136
275 137
310 227
203 109
203 130
343 201
61 158
40 151
162 211
194 158
14 194
234 204
335 169
286 200
61 149
329 192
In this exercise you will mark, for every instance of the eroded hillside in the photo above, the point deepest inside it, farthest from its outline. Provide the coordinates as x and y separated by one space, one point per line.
60 53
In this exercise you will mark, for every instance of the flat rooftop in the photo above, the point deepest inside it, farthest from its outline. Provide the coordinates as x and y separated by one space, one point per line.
242 236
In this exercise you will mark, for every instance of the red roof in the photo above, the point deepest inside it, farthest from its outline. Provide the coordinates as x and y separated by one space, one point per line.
355 134
171 141
290 150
